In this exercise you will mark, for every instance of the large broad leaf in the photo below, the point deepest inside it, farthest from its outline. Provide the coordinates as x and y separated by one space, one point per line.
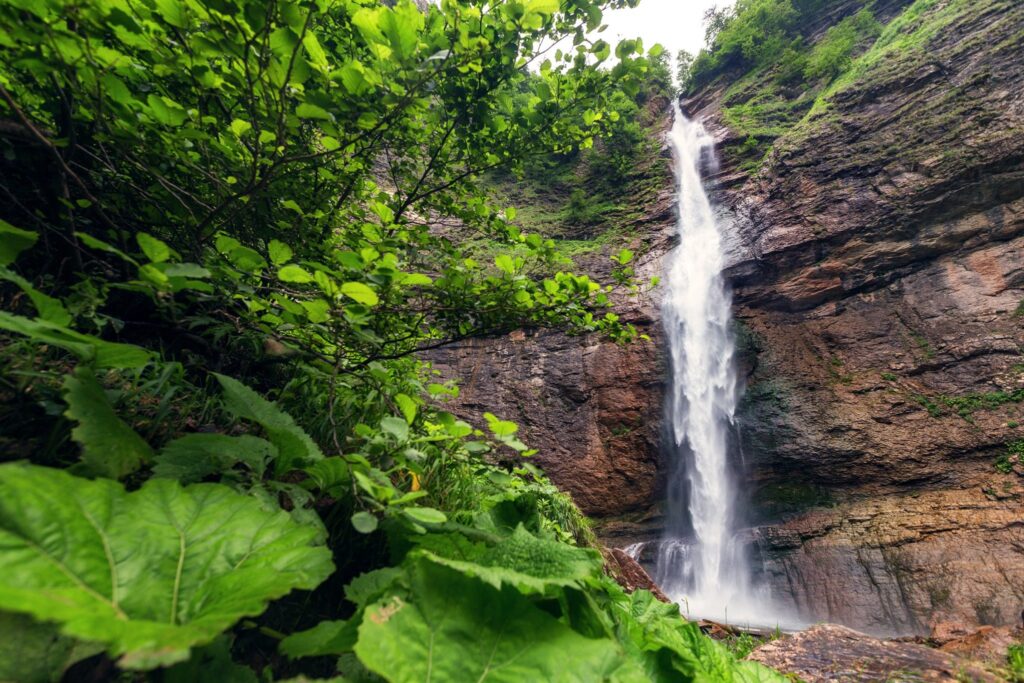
102 353
292 441
456 628
110 448
151 573
531 564
194 457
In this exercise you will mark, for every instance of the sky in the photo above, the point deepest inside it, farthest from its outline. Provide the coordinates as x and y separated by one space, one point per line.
676 24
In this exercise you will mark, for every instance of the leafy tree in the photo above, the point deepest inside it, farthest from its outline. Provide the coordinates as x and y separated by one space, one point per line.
684 65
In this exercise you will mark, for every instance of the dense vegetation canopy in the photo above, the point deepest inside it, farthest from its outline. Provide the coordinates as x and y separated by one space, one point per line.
229 230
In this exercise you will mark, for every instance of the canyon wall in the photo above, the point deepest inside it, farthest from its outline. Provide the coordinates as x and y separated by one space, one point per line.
879 281
877 261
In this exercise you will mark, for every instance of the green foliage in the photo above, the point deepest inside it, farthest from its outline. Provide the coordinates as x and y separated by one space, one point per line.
293 444
754 32
454 627
684 67
110 448
195 457
1013 456
1015 663
777 68
965 406
833 54
487 601
150 573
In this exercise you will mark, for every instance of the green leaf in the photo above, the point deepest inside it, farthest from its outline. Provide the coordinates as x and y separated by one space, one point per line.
307 110
425 515
280 253
154 249
49 309
294 273
102 353
530 564
317 310
455 628
240 127
293 443
194 457
13 241
505 263
329 472
116 90
396 427
364 522
542 6
500 428
166 111
372 585
408 407
623 257
246 259
94 243
151 573
360 293
110 448
401 26
173 12
317 56
326 638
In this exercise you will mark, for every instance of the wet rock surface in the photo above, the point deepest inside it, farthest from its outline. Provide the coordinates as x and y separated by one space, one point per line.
827 653
878 270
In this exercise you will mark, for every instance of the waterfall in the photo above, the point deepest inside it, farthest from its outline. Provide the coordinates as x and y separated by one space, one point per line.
701 561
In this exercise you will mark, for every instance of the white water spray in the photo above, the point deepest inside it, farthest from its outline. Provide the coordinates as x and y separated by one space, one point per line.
701 564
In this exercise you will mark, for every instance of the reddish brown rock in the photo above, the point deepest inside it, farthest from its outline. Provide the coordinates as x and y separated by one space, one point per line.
986 644
630 575
827 653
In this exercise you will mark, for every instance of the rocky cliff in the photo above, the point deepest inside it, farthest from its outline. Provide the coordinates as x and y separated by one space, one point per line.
878 268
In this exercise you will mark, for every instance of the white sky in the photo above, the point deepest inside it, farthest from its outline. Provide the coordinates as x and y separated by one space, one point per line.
676 24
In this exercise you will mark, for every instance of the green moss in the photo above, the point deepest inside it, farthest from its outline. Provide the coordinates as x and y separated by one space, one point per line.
889 377
923 345
965 406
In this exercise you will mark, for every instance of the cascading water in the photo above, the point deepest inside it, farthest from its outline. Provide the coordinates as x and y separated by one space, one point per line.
701 562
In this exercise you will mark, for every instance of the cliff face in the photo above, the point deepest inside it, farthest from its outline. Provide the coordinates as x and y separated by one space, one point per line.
879 278
878 268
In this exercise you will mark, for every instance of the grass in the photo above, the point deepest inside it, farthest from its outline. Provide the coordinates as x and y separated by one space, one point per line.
1013 455
968 404
1015 663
